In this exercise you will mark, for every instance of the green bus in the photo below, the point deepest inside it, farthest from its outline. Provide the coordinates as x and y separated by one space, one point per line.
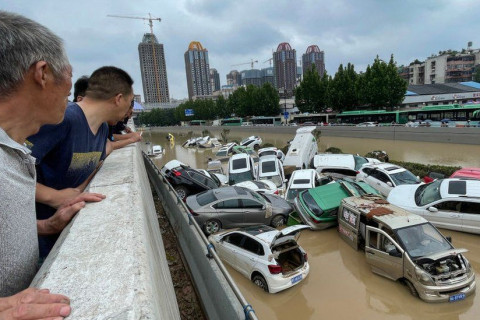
232 122
266 121
197 122
453 112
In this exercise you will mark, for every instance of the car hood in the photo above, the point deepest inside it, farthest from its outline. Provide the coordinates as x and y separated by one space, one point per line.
403 196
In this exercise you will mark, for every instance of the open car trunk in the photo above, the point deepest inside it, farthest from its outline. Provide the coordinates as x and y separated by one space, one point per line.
290 257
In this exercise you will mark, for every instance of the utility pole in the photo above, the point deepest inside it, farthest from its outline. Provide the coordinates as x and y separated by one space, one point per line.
150 23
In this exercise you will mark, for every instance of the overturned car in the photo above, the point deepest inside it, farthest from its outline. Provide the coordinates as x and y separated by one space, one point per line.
402 246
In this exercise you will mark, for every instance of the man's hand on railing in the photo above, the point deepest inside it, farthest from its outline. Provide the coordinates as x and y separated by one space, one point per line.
34 304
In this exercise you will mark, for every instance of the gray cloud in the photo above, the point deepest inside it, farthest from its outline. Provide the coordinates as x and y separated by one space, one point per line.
237 31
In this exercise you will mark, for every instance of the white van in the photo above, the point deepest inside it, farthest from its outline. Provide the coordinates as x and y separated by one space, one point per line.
301 151
341 164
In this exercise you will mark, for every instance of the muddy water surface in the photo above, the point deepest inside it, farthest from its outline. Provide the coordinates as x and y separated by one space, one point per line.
340 284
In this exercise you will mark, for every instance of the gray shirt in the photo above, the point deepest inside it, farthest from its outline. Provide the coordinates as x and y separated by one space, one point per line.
18 227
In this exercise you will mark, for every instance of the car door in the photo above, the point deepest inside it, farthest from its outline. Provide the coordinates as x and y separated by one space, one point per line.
229 213
253 211
383 253
470 216
379 181
444 214
249 255
229 248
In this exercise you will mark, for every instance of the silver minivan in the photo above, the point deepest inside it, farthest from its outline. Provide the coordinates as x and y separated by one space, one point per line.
403 246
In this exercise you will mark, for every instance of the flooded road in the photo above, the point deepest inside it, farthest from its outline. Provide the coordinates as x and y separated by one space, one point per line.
340 284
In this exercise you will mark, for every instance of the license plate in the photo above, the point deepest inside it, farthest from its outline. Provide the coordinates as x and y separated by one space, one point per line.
457 297
296 279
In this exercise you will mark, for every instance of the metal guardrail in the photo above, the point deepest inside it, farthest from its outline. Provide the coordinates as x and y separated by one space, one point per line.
158 181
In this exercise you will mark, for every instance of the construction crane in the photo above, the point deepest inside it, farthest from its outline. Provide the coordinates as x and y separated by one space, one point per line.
268 60
250 63
150 23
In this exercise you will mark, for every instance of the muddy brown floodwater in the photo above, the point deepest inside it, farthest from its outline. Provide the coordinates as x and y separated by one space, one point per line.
340 284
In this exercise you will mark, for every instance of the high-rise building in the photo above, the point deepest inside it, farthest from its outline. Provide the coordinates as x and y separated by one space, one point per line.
214 80
268 76
154 71
313 55
252 76
197 68
285 68
234 78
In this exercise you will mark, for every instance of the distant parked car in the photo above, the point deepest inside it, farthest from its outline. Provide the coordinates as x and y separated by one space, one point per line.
318 207
385 176
367 124
270 168
247 150
467 173
264 186
224 152
271 151
272 259
186 180
301 180
231 207
447 203
252 142
241 168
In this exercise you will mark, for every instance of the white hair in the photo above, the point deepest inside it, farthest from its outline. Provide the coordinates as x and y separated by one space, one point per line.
24 42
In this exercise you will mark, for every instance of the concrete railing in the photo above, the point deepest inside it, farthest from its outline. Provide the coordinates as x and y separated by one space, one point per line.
220 296
110 261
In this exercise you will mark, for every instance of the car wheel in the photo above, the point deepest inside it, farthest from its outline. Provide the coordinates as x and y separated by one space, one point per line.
181 191
261 282
256 147
411 287
278 221
212 226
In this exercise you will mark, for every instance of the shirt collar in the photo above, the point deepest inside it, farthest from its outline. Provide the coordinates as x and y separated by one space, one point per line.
9 142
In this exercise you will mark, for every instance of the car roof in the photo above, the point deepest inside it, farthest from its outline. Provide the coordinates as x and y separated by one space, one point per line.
173 164
329 195
392 216
230 192
305 174
457 187
334 160
389 167
467 173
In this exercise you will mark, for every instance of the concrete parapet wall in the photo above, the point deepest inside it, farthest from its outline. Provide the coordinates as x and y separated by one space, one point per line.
218 299
110 260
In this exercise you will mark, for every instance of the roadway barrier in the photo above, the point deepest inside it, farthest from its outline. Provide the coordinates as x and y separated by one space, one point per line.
218 292
110 260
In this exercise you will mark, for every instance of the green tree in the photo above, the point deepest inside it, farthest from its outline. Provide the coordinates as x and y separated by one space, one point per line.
309 96
269 100
476 73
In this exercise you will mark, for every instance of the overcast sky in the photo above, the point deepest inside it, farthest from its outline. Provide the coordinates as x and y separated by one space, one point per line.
237 31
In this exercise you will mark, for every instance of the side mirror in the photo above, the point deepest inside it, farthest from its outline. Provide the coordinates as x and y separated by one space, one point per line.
449 239
432 209
389 184
395 253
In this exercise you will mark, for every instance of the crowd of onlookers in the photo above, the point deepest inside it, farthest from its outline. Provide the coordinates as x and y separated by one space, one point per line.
50 149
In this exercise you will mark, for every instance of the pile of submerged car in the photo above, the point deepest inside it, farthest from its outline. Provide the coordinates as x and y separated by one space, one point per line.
380 208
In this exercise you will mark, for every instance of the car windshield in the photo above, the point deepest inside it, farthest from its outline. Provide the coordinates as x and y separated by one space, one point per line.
404 177
359 162
206 197
234 178
311 204
221 153
275 179
269 153
428 193
292 193
268 166
422 240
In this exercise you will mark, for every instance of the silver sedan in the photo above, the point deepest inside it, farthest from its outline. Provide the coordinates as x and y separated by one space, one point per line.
232 207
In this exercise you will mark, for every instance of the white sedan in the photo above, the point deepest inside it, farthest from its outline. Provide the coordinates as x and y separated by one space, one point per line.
272 259
385 176
448 203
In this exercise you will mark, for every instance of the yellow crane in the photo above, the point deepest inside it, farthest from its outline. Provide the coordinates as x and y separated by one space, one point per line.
268 60
150 23
250 63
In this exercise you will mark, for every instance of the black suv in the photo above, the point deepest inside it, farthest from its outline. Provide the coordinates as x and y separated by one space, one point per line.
187 181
